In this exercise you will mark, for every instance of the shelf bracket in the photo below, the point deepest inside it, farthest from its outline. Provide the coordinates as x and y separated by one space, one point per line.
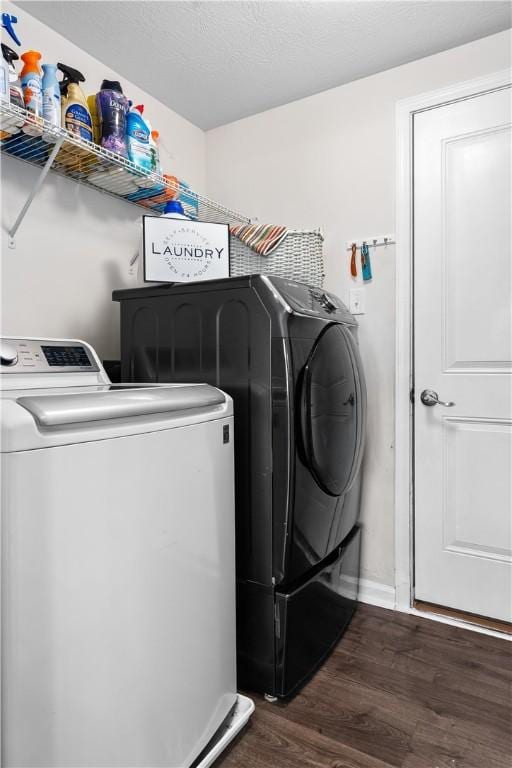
37 186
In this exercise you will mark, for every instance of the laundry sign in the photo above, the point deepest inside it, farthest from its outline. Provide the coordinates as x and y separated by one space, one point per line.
181 251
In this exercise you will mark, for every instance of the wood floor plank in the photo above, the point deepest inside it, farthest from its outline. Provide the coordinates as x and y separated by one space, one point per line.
448 748
492 688
437 696
379 650
410 633
459 654
399 691
372 721
271 733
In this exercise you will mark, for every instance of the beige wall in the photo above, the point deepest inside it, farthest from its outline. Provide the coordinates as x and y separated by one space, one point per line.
329 161
75 245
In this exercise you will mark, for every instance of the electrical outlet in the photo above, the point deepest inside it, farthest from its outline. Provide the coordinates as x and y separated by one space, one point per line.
357 301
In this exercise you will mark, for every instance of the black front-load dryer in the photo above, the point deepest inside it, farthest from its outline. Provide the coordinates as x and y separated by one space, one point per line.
288 356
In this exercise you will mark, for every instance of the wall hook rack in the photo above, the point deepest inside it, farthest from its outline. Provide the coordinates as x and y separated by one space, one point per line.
374 241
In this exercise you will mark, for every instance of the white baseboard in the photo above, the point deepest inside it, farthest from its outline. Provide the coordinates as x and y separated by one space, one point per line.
375 593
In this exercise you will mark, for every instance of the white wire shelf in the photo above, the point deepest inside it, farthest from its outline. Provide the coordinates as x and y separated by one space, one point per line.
87 163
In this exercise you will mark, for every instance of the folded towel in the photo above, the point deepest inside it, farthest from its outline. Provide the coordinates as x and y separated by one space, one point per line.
262 238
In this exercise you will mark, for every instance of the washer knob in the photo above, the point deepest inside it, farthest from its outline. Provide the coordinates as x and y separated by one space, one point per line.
8 354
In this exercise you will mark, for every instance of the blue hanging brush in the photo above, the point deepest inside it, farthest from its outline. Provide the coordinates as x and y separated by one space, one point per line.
365 262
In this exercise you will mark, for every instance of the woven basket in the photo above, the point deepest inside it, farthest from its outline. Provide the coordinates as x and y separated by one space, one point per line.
299 257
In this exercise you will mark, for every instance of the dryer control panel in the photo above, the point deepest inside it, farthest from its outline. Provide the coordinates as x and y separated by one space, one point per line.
312 301
44 356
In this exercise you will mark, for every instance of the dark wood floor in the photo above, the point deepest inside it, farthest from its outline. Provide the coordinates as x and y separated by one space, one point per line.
398 691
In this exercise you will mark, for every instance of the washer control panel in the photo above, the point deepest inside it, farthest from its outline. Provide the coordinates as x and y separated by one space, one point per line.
44 356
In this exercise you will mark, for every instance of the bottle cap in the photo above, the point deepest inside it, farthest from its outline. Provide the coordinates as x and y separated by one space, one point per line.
155 135
111 85
31 57
174 206
140 108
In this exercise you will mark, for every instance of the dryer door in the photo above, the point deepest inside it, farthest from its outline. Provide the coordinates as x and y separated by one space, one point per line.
332 411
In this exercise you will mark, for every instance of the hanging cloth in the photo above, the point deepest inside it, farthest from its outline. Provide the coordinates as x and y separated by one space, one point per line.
262 238
365 262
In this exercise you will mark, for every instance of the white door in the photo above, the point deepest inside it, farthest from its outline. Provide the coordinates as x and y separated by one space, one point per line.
462 352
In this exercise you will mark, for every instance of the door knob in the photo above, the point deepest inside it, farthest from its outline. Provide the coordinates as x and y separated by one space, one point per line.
429 397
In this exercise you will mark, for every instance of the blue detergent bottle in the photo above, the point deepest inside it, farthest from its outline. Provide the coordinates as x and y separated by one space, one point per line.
138 138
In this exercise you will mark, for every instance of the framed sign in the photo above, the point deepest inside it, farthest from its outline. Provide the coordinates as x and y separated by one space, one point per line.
182 251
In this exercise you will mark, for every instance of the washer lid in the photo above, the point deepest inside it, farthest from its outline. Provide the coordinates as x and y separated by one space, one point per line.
74 408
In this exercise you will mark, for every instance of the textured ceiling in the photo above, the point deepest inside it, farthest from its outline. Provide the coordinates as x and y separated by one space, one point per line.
214 62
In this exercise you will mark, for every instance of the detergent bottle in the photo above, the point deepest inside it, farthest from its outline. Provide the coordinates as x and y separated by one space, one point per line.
112 109
93 109
11 123
137 138
15 92
4 79
76 117
5 97
32 95
155 153
51 100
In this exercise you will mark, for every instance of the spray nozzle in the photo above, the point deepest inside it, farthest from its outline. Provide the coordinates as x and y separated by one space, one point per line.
7 23
70 76
8 54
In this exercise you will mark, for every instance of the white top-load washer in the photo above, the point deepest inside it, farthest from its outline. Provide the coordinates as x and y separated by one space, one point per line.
118 570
